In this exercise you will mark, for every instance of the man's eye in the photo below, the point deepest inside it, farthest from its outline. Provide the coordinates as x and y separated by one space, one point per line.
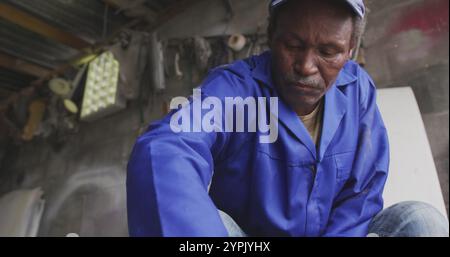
328 53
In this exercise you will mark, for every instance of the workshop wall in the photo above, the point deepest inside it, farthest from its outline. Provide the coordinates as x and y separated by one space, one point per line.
406 44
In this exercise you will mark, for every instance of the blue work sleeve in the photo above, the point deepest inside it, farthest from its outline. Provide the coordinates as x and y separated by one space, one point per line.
167 183
361 198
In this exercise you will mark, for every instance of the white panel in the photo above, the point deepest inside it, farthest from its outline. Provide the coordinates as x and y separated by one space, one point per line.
21 212
412 174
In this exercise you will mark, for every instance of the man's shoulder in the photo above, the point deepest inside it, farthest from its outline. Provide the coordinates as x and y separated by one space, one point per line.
360 80
358 73
353 68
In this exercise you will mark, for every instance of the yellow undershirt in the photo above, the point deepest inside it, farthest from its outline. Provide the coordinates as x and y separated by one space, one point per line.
313 122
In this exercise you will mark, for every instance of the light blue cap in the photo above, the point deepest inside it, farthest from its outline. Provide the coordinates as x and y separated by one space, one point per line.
357 6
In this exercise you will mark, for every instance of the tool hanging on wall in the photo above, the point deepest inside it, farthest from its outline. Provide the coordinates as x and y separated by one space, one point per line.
60 87
202 51
36 114
178 72
237 42
157 63
255 47
64 90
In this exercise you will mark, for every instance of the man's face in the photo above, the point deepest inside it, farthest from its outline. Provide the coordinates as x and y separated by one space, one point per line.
310 44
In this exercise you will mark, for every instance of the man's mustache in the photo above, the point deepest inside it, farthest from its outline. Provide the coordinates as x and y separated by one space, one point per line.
313 82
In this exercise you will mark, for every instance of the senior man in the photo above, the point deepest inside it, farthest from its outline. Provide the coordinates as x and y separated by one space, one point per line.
323 174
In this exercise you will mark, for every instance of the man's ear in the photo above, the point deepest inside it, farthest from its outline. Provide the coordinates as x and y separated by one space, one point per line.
350 53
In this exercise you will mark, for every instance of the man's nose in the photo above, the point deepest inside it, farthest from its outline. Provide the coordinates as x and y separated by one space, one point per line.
305 64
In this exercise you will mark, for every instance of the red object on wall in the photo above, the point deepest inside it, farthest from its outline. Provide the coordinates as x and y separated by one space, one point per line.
431 18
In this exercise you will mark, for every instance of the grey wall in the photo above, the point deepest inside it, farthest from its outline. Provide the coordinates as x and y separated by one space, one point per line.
407 44
247 17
